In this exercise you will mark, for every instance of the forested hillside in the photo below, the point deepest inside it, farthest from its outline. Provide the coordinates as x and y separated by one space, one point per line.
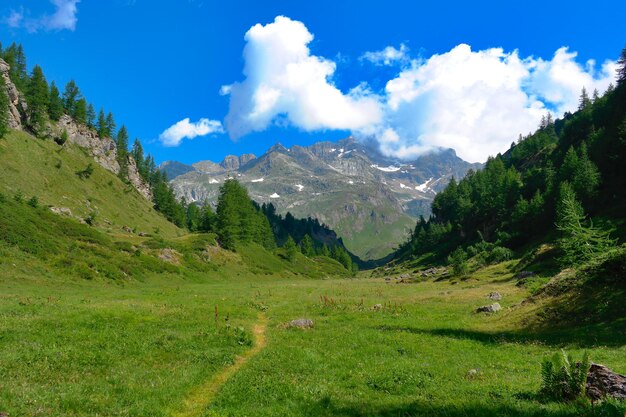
564 183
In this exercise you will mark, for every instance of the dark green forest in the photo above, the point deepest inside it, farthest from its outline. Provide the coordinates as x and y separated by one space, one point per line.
565 182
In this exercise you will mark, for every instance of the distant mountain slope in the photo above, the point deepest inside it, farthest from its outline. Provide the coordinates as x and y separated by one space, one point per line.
367 198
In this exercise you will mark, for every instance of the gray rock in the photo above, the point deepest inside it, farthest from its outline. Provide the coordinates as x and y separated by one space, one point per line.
61 211
602 382
489 309
301 324
230 163
524 274
496 296
377 307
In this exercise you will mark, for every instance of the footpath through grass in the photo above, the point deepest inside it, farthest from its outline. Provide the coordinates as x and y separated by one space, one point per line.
142 349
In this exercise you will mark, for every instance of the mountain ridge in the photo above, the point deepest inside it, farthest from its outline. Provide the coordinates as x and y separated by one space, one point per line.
370 199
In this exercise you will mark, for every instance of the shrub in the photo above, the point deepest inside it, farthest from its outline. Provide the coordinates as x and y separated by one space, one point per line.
62 139
85 173
33 202
500 254
563 379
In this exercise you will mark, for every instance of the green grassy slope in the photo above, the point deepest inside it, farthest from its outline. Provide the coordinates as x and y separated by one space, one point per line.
46 170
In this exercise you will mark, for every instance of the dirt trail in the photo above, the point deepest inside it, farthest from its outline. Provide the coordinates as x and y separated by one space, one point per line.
197 401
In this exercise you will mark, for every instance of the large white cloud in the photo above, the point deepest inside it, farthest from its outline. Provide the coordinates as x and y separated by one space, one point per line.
173 135
64 17
476 102
284 81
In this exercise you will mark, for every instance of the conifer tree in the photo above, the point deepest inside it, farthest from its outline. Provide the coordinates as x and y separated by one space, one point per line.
621 67
137 154
122 152
4 109
55 103
207 218
110 125
584 100
306 246
91 116
14 56
580 242
193 217
290 249
102 125
80 111
37 99
71 95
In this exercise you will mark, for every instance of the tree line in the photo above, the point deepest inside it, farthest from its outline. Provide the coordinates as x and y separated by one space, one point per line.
552 181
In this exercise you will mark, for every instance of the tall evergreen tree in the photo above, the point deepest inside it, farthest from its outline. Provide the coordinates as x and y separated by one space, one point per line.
110 124
80 111
137 154
4 109
621 67
102 125
55 103
14 56
37 99
71 95
290 249
207 218
122 152
306 246
91 116
583 101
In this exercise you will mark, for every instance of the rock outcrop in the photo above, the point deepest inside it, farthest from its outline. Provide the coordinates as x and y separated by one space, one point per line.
602 382
492 308
103 150
230 163
301 324
17 103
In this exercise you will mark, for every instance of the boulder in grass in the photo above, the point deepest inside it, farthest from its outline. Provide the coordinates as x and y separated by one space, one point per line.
602 382
495 296
492 308
301 324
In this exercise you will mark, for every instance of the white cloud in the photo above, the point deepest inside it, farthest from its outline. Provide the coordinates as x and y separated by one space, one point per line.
477 102
173 135
283 81
388 56
63 18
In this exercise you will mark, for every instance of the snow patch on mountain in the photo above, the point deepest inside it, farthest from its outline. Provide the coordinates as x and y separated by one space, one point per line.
300 187
213 181
390 168
424 187
275 195
259 180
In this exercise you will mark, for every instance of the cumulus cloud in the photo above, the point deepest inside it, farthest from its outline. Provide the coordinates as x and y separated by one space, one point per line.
476 102
173 135
63 18
388 56
285 82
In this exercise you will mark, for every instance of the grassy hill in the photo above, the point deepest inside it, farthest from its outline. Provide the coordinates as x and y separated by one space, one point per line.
35 167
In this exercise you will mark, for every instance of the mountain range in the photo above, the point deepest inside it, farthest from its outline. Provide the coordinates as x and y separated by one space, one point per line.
371 200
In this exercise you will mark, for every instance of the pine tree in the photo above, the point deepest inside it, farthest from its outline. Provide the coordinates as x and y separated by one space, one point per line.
71 95
102 125
91 116
37 99
584 100
80 111
207 218
14 56
580 243
4 109
621 67
110 124
193 217
290 249
122 152
137 154
306 246
55 103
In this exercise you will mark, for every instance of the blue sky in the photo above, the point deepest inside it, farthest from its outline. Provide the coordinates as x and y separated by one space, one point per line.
155 63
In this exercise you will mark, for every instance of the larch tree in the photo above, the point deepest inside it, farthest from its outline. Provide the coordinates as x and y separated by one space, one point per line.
122 152
71 95
37 99
102 125
110 124
55 103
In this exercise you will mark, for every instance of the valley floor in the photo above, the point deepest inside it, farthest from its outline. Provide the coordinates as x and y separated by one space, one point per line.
152 348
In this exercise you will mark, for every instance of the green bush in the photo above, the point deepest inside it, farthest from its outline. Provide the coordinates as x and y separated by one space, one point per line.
563 379
500 254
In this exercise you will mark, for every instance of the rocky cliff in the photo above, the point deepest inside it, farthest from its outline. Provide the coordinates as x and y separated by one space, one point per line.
103 150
